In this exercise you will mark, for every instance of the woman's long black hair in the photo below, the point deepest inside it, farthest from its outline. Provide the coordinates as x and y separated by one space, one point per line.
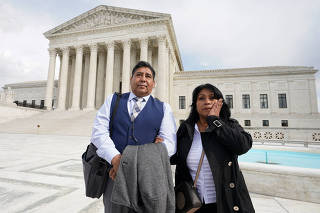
217 94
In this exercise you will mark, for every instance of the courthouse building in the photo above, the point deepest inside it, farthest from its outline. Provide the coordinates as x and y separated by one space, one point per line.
98 49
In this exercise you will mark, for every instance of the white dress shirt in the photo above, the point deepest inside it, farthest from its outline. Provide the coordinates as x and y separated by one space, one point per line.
100 132
205 183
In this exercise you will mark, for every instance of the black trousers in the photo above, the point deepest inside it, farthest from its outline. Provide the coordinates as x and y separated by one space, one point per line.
208 208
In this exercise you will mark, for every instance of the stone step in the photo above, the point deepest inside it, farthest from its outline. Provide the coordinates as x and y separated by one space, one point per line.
9 113
52 122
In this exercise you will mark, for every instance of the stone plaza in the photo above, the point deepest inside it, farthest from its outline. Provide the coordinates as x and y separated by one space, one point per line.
41 170
43 173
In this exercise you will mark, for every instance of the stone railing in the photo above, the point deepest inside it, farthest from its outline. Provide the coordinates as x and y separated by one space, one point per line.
284 136
286 142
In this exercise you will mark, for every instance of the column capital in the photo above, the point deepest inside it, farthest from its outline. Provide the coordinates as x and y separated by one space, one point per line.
65 49
109 44
79 47
143 40
126 43
162 38
93 47
52 51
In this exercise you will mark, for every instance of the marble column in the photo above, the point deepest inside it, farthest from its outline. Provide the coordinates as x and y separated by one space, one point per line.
150 54
50 80
92 77
109 70
64 78
161 68
100 79
133 58
72 67
117 70
85 76
77 79
126 44
144 49
59 77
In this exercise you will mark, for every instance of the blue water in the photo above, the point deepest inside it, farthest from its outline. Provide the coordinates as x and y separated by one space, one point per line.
284 158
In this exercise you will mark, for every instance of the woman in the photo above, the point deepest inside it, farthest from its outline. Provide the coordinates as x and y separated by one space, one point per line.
209 127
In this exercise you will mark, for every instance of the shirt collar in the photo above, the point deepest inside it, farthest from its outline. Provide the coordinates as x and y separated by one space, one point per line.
196 128
132 95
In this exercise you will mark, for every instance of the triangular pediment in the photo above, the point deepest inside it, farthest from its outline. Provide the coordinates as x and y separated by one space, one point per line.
104 16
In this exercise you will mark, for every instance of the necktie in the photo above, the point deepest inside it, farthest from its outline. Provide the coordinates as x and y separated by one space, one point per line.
136 107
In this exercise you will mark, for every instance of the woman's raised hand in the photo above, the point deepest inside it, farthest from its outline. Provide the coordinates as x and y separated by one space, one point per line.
216 107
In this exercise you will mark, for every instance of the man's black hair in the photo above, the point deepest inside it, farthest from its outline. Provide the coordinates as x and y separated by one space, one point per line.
144 64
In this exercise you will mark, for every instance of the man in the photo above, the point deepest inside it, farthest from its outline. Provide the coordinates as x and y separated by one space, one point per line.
140 119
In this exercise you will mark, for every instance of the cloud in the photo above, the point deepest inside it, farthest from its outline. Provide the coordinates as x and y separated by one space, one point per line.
244 34
211 34
23 54
7 19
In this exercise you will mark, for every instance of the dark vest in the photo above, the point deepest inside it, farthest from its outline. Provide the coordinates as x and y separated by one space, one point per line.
145 127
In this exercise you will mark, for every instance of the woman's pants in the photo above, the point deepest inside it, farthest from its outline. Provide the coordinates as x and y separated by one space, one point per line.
208 208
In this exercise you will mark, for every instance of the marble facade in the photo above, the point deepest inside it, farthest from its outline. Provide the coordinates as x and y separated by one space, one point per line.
98 50
297 83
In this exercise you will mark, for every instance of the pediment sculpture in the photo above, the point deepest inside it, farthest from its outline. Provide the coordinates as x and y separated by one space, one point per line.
104 18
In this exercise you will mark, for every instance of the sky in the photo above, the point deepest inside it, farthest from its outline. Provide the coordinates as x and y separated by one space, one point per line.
211 34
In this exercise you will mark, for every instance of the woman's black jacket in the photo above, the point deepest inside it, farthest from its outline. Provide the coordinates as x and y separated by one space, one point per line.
222 145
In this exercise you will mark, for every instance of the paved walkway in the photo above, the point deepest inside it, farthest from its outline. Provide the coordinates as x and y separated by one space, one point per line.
43 173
